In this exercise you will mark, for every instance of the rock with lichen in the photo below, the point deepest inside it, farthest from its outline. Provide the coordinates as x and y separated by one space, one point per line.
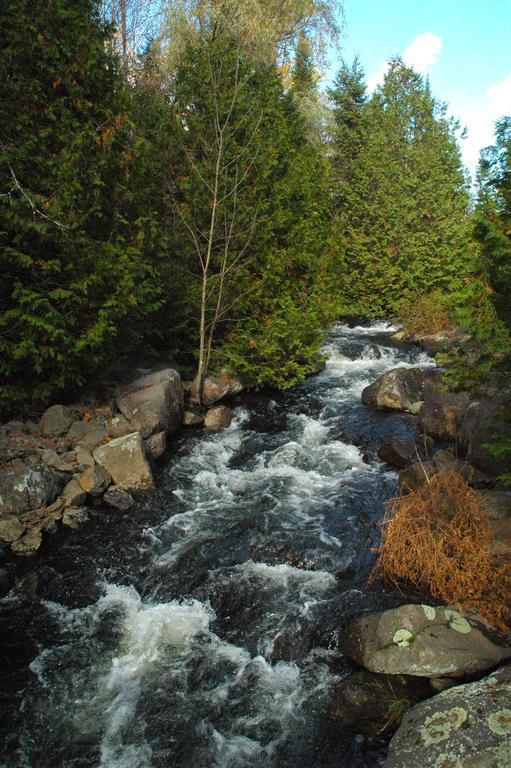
468 726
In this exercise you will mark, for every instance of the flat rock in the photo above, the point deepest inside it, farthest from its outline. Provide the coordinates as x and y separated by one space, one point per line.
468 726
11 528
55 421
215 388
400 388
116 497
94 480
422 640
153 403
125 460
217 418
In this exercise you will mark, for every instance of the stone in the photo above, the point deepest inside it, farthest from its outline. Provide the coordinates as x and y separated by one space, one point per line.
399 388
95 480
116 497
415 407
468 726
156 445
371 704
24 486
441 414
61 462
422 640
55 421
192 419
73 494
83 458
87 434
118 426
153 403
416 475
74 516
215 389
401 452
11 528
497 504
28 543
217 418
481 421
125 460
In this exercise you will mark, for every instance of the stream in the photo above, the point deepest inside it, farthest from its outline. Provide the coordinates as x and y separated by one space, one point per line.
199 629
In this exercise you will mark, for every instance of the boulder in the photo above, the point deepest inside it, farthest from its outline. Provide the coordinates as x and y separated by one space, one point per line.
55 421
125 460
118 426
468 726
215 389
441 414
116 497
192 419
27 486
481 421
28 543
87 434
11 528
217 418
413 477
83 458
61 462
400 388
94 480
156 445
73 494
422 640
74 516
153 403
372 704
401 452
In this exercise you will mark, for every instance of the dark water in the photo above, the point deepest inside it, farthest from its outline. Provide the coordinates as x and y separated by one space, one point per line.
200 630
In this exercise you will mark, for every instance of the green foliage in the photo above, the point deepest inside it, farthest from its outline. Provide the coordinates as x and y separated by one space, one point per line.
425 313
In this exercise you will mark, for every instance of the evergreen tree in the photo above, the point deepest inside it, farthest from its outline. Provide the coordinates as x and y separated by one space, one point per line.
72 276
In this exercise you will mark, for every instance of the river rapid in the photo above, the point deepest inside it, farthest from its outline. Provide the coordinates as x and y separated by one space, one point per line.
199 629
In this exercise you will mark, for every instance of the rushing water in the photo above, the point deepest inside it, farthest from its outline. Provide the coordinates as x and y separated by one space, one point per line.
199 631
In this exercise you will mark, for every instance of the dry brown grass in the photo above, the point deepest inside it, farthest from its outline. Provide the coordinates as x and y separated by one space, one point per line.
438 540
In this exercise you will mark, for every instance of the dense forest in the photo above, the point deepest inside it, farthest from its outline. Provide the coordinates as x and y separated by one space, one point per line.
176 183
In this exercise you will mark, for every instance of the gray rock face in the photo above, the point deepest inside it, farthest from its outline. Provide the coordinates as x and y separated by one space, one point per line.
215 389
153 403
156 445
95 480
481 421
399 388
441 414
115 497
217 418
24 487
422 640
124 459
55 421
468 726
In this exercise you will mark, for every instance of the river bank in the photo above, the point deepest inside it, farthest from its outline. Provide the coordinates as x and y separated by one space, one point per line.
201 626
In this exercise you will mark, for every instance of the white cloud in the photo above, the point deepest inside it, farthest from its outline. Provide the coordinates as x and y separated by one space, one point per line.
423 52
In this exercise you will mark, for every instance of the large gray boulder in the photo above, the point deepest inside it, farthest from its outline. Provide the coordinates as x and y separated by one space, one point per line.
481 421
441 414
27 486
400 388
55 421
468 726
125 460
422 640
153 403
215 389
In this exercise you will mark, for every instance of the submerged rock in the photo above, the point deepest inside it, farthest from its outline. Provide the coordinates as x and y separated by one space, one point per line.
125 460
399 388
422 640
153 403
468 726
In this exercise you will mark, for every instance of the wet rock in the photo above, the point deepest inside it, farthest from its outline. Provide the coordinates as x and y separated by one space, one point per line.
191 419
468 726
399 388
124 459
401 452
156 445
118 426
73 494
153 403
95 480
215 389
24 487
217 418
55 421
422 640
441 414
11 528
29 543
74 516
116 497
481 421
372 704
87 434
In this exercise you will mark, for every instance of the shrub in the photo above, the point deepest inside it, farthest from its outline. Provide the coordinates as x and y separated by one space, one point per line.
438 540
425 314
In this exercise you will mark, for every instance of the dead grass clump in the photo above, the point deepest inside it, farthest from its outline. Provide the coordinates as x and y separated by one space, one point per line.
438 540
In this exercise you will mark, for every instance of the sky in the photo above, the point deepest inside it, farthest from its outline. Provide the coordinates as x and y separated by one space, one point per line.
464 46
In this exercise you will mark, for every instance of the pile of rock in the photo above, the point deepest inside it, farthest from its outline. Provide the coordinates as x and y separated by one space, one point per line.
212 416
50 471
